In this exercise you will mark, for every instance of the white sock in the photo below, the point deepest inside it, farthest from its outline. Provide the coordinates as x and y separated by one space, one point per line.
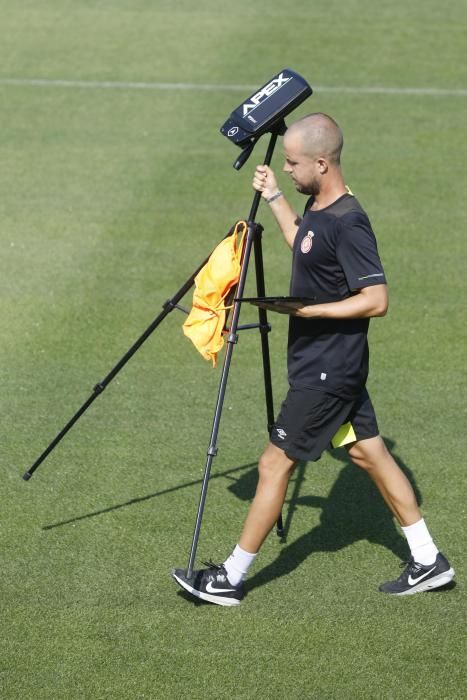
237 565
422 547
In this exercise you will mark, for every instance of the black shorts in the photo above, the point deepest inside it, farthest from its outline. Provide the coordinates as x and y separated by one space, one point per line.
309 420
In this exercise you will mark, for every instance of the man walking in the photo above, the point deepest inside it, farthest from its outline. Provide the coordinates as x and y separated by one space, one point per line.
335 258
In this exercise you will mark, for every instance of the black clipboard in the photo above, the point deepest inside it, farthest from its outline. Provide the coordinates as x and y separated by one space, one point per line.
283 305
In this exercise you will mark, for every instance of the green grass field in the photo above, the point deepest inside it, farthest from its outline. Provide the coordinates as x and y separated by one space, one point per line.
110 197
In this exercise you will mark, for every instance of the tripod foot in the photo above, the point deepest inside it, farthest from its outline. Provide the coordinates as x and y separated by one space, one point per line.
280 530
27 476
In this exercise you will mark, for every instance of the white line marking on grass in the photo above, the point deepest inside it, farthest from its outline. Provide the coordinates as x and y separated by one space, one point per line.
117 85
380 90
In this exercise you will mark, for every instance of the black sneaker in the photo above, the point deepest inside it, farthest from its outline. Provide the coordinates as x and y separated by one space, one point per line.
417 578
210 584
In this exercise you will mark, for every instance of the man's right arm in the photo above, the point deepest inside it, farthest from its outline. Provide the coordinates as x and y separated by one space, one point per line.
264 181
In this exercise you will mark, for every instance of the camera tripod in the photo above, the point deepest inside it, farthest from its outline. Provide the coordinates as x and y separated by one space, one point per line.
253 241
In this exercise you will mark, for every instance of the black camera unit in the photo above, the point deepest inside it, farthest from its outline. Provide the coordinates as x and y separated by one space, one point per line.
264 111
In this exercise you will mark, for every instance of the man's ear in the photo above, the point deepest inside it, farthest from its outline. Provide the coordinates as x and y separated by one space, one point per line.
323 165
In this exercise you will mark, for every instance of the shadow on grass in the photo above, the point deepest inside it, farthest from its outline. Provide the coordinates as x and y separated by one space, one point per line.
352 511
148 497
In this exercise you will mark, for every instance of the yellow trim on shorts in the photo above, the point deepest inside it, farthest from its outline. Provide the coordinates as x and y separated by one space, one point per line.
344 436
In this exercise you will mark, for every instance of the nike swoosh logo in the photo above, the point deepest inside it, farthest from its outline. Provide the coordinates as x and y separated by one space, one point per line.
412 581
210 589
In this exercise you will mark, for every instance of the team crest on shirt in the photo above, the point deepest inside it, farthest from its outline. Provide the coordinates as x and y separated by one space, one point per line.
307 242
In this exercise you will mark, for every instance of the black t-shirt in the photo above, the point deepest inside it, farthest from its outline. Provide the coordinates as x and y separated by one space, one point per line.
334 255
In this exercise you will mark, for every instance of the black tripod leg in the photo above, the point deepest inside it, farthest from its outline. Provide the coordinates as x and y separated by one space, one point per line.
169 305
265 328
231 341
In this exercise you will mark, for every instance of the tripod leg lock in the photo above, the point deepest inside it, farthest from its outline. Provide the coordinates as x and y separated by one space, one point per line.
232 338
99 388
170 305
258 229
212 451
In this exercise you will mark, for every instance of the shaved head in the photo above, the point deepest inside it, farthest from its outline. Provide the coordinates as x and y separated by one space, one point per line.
312 149
319 135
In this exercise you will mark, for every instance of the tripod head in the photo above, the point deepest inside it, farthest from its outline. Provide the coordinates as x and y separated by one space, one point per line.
264 111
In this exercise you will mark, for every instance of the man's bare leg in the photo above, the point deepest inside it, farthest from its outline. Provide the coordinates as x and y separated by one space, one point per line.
373 456
428 568
222 584
275 469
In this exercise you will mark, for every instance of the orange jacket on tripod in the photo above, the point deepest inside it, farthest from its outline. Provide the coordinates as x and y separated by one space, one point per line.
206 321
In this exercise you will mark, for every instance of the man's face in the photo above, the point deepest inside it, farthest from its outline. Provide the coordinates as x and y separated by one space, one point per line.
303 169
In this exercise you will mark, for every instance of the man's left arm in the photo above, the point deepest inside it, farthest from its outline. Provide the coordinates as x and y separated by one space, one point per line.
368 302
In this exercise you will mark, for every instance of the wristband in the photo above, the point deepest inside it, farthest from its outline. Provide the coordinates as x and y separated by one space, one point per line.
274 197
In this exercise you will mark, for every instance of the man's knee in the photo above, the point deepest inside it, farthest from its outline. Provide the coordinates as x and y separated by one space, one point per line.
368 454
274 463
